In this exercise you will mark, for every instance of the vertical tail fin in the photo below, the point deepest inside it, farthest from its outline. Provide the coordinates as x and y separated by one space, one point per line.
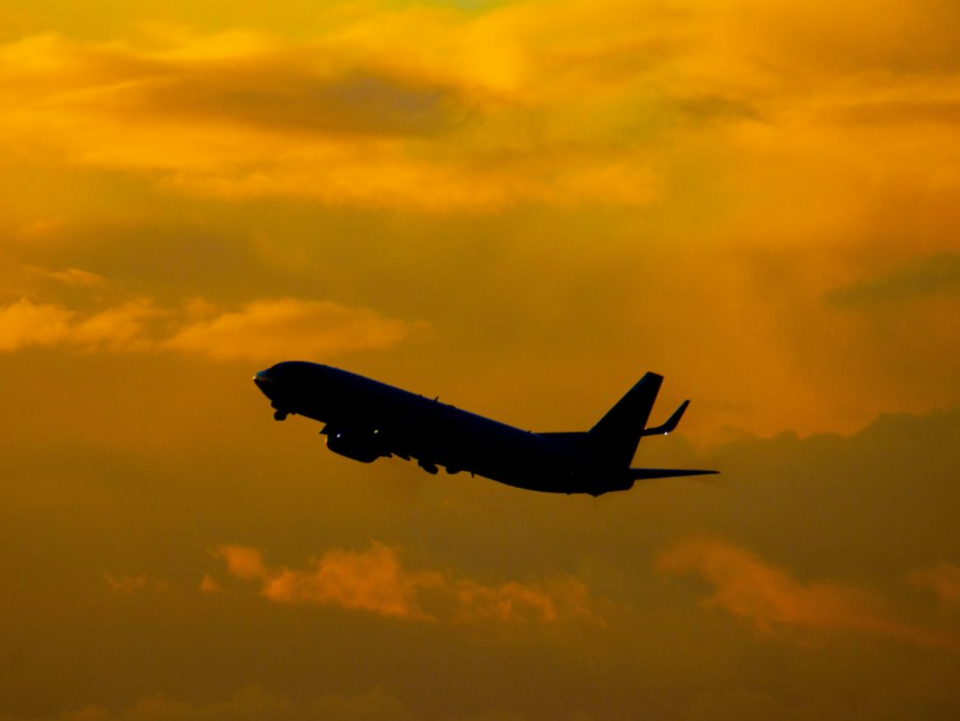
617 434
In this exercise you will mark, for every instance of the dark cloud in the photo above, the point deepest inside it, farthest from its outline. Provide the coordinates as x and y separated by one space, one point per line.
285 96
918 279
169 254
303 88
714 108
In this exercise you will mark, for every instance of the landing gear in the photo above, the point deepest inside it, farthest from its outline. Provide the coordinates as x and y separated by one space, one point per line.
280 415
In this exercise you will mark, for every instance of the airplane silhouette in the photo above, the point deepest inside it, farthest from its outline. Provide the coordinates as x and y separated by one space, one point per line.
366 420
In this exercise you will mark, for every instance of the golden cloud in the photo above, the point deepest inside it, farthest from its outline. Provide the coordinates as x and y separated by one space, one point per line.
372 581
776 602
240 115
425 109
243 562
24 324
376 581
557 600
270 329
260 331
209 585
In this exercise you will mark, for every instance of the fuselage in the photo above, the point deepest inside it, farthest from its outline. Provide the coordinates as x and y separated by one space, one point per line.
366 419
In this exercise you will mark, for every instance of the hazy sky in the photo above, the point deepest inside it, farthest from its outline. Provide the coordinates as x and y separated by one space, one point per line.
520 206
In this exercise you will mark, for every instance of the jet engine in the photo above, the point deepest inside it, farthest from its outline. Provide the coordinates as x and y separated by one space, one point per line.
364 445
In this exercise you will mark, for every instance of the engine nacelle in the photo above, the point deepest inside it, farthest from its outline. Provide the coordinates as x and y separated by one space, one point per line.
361 445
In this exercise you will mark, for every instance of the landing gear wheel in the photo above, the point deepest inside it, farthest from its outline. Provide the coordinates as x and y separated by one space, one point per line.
280 415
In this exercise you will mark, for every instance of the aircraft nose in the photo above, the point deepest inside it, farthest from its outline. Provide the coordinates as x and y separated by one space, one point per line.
263 379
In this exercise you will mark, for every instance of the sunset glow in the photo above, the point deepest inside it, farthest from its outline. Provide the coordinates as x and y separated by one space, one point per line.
519 206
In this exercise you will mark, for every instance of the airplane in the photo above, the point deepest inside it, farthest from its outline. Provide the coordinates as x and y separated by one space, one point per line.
365 420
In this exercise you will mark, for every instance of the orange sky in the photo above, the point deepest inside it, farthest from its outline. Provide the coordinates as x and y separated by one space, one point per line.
520 206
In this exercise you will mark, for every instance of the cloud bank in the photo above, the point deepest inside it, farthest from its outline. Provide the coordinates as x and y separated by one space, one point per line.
375 581
259 331
777 603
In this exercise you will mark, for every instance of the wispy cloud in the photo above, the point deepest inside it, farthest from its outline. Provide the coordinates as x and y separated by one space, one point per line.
286 327
779 604
119 328
375 581
71 277
258 331
243 115
372 581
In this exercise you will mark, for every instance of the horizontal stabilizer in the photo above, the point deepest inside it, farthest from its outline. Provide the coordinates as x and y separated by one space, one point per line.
670 425
642 474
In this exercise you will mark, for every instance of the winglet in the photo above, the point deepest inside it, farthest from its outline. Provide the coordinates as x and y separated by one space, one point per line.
671 423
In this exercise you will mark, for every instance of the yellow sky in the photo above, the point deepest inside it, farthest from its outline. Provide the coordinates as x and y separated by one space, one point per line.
520 206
